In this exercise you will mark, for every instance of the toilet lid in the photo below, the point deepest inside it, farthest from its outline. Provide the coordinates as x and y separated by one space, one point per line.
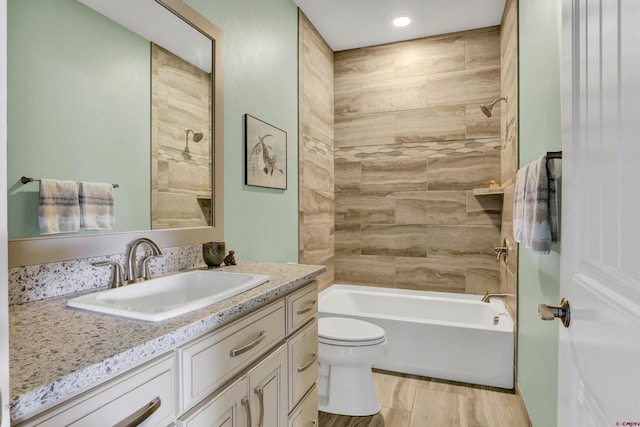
349 332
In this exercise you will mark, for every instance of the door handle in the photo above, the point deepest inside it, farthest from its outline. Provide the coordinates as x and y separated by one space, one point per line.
551 312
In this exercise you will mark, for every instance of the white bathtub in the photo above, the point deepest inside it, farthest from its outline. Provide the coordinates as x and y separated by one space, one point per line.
433 334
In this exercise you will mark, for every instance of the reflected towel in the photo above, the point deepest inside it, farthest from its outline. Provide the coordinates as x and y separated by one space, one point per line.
97 210
58 209
535 221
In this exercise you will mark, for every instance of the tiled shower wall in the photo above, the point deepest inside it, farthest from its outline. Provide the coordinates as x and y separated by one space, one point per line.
410 145
181 178
316 176
509 132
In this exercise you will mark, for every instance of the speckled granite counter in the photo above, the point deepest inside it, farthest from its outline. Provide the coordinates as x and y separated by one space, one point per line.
56 351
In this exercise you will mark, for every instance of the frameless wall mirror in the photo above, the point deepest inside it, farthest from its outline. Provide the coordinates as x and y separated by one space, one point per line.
117 91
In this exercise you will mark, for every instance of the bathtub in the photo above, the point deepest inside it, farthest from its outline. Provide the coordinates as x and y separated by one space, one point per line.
441 335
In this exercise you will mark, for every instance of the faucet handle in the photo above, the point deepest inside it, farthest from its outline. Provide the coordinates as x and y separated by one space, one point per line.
145 265
116 278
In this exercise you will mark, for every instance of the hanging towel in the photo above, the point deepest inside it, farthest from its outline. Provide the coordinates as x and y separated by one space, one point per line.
535 221
59 209
96 206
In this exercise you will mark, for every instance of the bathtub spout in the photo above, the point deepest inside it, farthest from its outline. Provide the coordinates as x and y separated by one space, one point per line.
487 296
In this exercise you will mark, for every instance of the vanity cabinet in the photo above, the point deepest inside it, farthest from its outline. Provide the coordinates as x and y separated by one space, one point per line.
120 399
259 370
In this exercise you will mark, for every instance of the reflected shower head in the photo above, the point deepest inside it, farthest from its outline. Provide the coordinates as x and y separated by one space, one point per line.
197 137
486 110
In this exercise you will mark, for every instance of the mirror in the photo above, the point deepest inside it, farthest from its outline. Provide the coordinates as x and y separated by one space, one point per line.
62 118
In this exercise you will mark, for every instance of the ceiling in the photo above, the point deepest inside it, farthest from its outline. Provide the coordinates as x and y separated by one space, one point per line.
349 24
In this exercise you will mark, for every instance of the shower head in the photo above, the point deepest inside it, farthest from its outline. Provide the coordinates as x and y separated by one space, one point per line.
486 110
197 136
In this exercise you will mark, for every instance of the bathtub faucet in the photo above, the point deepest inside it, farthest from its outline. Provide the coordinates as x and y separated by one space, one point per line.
487 296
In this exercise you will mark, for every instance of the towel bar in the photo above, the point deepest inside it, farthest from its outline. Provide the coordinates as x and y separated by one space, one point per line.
26 180
554 155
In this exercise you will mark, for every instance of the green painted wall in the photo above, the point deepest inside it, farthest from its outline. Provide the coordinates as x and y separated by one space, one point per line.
78 108
538 275
261 79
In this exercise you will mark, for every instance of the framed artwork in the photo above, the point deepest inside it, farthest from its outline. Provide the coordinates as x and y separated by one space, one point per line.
266 154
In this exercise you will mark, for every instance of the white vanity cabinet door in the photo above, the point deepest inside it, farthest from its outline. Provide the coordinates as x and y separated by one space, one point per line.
306 415
114 401
206 364
268 390
303 362
228 408
302 306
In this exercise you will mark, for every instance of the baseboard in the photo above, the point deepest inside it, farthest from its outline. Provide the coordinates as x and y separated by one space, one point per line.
524 405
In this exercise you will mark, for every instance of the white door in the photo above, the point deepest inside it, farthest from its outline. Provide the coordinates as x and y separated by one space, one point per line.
599 354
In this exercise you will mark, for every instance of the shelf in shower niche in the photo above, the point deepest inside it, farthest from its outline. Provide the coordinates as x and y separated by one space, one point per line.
488 191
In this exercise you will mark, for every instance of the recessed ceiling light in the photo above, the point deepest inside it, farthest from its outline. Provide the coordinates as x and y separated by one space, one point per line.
401 21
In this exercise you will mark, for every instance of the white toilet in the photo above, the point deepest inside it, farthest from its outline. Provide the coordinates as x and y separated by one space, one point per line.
347 348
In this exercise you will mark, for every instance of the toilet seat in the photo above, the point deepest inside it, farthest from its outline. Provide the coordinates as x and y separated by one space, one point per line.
347 332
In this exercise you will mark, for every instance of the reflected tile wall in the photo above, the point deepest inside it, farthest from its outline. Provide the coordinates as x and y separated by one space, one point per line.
410 144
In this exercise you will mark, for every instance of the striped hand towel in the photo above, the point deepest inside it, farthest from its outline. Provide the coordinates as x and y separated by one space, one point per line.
58 209
97 210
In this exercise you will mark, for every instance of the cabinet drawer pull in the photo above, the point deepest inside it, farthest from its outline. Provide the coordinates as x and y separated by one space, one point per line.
247 408
308 309
304 367
238 351
141 414
260 394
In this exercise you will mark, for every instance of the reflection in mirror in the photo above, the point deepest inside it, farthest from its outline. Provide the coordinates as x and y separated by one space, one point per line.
80 108
109 106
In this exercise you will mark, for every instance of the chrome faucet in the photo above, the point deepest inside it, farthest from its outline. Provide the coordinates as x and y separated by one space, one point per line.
487 296
131 274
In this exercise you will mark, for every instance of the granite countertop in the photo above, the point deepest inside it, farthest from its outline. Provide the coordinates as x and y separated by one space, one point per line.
57 351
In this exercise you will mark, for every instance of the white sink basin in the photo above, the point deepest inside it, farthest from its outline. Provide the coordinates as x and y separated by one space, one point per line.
164 297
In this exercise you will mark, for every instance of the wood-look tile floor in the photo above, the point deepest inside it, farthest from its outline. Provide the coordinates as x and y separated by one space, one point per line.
409 401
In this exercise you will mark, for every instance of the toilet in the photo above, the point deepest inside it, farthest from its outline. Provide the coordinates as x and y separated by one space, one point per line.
347 348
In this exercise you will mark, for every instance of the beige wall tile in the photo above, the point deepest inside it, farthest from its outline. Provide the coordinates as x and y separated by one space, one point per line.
366 270
348 176
482 50
463 241
358 130
431 207
318 207
365 208
481 126
464 172
431 124
348 99
407 93
394 240
431 274
429 56
463 87
348 239
485 209
399 175
363 65
318 242
483 276
317 173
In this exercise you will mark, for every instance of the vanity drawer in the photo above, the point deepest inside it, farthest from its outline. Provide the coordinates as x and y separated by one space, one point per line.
214 359
306 415
303 362
115 401
302 306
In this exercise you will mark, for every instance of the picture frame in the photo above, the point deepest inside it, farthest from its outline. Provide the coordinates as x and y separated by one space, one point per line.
265 154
